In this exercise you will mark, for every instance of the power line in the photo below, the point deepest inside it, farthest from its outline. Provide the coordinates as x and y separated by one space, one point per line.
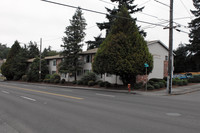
184 18
100 12
73 7
144 3
108 2
161 3
185 8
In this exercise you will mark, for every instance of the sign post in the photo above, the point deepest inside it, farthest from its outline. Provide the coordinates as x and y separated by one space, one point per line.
146 66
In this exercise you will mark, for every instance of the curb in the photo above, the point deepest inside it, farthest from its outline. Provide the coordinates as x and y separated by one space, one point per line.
118 91
80 88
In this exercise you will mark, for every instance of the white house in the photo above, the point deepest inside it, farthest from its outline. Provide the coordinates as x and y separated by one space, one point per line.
156 48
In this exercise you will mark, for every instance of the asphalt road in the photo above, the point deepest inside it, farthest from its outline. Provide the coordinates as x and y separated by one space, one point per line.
26 108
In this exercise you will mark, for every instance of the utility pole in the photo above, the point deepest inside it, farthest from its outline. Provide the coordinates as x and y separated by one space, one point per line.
40 66
170 59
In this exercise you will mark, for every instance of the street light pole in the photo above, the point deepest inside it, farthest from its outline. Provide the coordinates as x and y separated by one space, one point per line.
170 60
40 66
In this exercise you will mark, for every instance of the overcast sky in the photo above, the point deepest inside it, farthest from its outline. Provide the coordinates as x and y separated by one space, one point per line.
30 20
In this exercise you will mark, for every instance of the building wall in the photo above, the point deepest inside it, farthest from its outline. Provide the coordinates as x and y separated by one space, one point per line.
52 66
160 66
159 56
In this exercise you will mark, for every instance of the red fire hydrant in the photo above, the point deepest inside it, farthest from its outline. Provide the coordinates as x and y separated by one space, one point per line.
129 87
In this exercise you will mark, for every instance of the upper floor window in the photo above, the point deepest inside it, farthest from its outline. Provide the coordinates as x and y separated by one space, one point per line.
88 58
54 62
166 58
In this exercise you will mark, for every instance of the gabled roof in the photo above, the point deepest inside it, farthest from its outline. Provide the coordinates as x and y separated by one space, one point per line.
53 57
47 58
91 51
30 60
157 41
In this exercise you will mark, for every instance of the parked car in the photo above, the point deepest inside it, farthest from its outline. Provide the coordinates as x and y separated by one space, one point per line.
183 76
188 75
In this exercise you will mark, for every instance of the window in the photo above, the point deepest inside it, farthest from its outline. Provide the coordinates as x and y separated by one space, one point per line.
79 72
108 75
52 72
88 58
54 62
86 71
166 58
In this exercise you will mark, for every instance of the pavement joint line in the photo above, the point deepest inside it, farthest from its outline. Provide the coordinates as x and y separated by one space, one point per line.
44 92
6 92
28 98
99 94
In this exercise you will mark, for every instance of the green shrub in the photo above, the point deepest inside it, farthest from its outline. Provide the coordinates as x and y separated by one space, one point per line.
88 77
101 84
48 76
46 80
151 82
165 78
175 81
179 82
74 82
24 78
56 81
107 84
85 82
185 82
91 83
150 87
138 85
156 80
99 81
162 85
62 81
156 86
194 79
79 82
54 78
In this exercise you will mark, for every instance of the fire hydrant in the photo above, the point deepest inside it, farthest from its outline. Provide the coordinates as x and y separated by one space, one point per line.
129 87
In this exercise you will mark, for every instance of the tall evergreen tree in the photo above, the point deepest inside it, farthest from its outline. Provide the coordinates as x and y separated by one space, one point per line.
33 73
180 60
14 66
4 51
195 28
33 50
96 43
49 52
73 43
112 14
124 50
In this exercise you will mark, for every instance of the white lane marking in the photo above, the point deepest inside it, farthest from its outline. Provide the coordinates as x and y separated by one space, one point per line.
173 114
28 98
104 95
68 90
5 92
25 85
42 87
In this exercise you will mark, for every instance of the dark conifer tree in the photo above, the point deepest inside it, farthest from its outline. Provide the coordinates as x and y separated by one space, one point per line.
73 43
124 51
112 14
194 35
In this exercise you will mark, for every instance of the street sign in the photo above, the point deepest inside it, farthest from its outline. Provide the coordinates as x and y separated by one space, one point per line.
146 65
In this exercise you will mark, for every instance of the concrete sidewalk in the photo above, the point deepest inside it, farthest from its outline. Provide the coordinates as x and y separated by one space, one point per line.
175 91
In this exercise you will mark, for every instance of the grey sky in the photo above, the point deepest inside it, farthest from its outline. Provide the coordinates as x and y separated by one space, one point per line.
30 20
